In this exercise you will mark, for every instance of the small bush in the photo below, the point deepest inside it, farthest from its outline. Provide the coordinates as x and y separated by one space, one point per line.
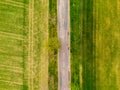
53 45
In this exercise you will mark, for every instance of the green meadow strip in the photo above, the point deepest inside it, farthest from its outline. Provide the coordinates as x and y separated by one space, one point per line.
82 45
88 61
75 43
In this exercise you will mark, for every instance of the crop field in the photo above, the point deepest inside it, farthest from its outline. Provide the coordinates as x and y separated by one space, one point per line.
13 54
107 45
23 35
95 45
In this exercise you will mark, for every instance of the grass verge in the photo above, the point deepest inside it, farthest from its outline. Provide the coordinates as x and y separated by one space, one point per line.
38 36
53 61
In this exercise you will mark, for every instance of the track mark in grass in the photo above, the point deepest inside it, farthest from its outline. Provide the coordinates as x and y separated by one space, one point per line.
12 25
12 67
81 80
16 2
12 35
38 73
11 49
9 86
30 37
88 61
12 70
118 76
11 4
10 82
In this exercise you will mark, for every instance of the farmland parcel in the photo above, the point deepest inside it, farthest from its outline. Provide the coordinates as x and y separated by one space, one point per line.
23 34
95 47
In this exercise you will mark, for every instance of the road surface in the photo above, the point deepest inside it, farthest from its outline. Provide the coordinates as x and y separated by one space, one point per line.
64 37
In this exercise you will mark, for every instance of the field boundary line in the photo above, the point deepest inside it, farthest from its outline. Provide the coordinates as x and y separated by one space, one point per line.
32 47
29 48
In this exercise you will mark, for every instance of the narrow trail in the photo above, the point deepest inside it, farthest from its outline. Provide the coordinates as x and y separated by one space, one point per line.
64 37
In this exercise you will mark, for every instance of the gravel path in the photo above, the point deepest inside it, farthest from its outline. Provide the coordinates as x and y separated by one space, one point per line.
64 53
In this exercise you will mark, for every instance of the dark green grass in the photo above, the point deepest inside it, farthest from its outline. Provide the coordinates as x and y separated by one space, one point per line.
88 50
82 47
53 62
76 29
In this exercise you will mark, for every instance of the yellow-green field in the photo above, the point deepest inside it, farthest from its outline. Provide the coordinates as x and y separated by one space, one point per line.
23 55
13 56
107 44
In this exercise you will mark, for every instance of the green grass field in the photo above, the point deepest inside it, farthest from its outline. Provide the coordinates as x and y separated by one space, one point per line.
23 37
107 44
98 44
12 46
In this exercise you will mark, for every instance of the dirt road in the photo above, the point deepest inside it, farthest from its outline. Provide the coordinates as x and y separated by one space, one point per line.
64 53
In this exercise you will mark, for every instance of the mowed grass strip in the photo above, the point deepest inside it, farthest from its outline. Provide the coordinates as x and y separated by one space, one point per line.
88 49
75 43
53 61
12 55
82 46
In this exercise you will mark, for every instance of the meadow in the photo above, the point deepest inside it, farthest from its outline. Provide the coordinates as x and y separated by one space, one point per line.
23 53
13 45
95 45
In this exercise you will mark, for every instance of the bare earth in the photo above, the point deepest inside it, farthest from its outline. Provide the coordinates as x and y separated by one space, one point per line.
64 53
